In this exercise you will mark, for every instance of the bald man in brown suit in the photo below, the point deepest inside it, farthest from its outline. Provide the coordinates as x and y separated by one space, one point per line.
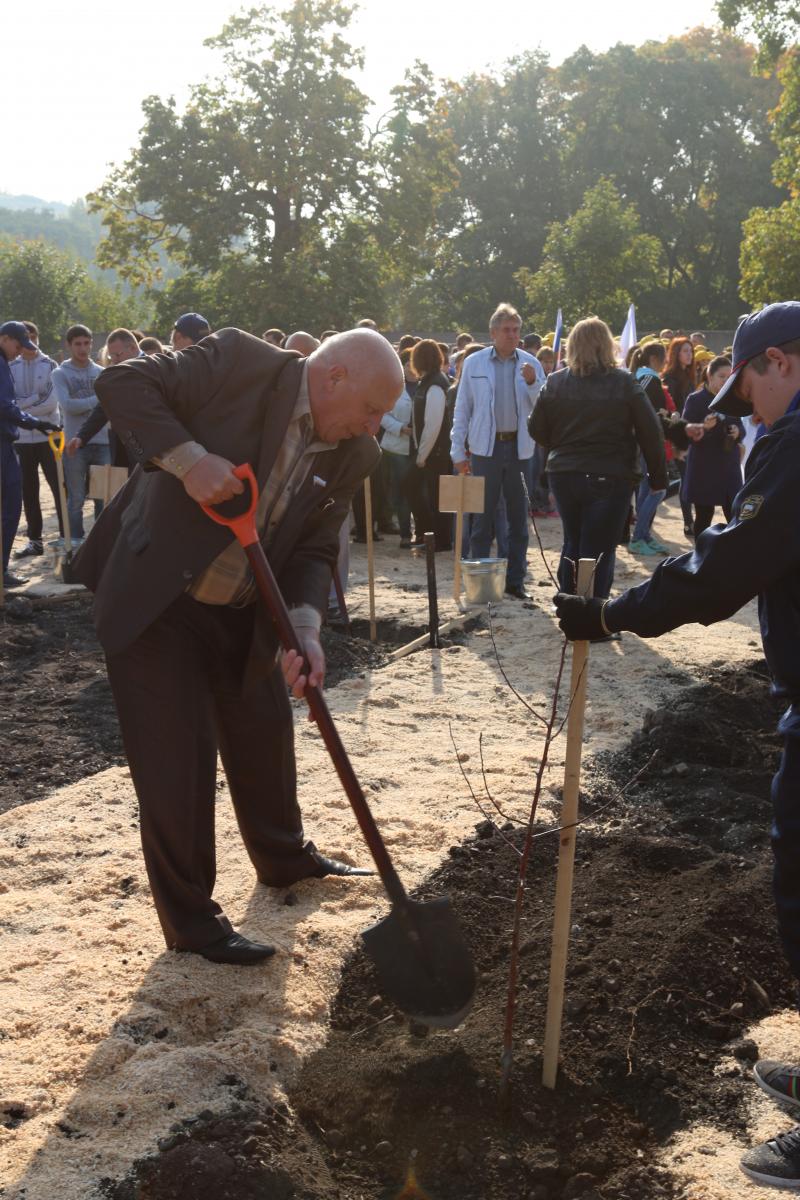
190 653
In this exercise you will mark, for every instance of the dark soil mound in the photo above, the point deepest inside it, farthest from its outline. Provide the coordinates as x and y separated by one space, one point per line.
673 950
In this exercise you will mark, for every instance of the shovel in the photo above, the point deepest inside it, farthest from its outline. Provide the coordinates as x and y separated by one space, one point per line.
56 440
418 949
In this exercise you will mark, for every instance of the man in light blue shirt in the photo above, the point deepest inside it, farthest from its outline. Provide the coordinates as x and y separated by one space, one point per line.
490 438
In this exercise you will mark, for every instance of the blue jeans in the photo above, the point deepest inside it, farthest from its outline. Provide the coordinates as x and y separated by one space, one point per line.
593 509
647 503
76 477
11 498
501 470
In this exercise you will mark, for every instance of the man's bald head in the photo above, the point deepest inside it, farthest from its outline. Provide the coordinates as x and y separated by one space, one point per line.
353 379
302 342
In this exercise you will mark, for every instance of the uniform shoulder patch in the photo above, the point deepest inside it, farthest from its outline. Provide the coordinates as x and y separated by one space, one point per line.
750 507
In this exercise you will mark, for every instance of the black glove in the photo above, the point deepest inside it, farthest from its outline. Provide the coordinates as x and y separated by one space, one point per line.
45 426
579 618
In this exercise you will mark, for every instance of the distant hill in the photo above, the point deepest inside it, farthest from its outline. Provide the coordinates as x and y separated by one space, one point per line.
33 202
70 227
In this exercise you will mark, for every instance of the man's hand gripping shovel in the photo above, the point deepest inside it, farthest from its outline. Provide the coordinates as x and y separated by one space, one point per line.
419 950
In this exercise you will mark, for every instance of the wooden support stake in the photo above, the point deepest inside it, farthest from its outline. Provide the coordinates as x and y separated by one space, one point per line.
433 602
566 847
459 539
425 638
373 629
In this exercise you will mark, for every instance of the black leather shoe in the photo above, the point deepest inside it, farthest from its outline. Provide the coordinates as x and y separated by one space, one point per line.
332 866
517 591
11 581
236 950
309 864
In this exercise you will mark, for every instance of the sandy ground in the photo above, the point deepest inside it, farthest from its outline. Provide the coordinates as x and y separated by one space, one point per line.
106 1039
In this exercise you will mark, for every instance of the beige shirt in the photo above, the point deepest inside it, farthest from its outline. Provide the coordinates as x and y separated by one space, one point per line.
228 579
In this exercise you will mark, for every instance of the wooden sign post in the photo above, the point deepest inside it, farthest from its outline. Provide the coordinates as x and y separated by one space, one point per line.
105 482
373 629
460 494
566 845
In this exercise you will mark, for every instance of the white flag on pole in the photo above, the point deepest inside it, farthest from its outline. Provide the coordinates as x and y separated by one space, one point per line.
628 337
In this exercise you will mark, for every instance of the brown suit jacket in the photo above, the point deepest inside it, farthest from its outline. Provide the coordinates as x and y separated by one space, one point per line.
234 394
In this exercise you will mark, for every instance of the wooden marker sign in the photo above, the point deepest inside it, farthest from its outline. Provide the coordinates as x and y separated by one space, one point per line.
460 494
105 482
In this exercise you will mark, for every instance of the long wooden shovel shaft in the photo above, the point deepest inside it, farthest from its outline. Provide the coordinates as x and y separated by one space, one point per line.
62 503
269 590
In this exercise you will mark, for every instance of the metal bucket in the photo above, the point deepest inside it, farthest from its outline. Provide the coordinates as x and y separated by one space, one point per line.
484 580
59 556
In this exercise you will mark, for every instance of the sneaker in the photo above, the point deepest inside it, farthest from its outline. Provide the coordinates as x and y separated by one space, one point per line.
775 1163
779 1081
640 547
29 551
658 546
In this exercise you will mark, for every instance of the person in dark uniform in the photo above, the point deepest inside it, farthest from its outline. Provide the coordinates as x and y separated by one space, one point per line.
756 554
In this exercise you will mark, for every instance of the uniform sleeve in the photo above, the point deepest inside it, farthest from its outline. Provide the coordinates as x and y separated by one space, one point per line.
730 564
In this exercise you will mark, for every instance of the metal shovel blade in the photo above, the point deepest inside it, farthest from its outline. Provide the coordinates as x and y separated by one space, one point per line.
423 962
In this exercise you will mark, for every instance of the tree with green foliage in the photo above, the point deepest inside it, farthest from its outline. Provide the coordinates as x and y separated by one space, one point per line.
42 284
510 187
774 24
257 167
681 127
596 262
770 250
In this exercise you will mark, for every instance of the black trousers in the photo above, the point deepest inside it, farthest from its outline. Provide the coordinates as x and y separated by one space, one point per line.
178 693
705 515
32 456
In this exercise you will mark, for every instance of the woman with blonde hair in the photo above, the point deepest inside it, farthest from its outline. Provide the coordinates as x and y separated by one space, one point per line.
594 418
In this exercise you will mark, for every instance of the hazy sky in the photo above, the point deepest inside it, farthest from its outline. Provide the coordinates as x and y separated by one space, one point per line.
77 88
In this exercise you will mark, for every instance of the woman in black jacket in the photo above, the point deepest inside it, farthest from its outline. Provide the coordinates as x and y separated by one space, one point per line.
593 418
431 425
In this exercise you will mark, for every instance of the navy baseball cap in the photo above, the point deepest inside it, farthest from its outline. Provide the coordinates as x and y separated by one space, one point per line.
773 325
16 330
192 325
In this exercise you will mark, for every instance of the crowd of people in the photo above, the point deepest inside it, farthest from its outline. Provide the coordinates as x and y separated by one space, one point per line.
600 440
466 406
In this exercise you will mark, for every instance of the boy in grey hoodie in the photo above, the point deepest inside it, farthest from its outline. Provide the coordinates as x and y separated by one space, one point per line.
73 383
